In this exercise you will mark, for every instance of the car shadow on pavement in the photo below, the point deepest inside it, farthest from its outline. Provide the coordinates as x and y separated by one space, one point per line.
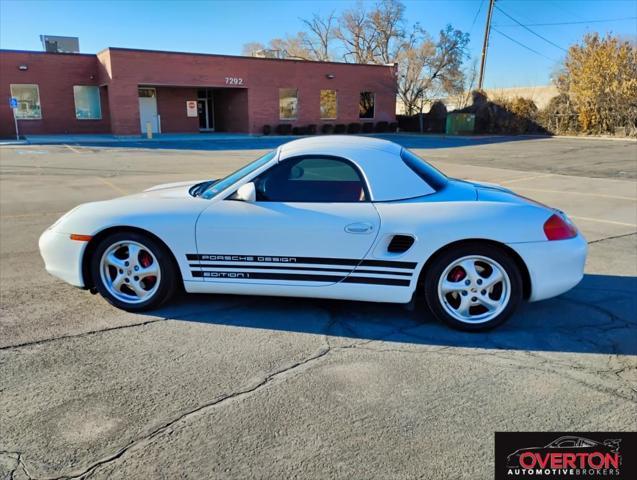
598 316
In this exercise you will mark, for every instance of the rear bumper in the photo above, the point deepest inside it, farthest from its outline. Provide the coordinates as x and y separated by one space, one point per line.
62 256
554 267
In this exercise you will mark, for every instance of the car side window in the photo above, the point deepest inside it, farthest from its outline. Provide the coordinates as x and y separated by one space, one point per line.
567 443
311 179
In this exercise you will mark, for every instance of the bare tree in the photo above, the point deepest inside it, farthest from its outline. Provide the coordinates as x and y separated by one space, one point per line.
411 63
429 69
250 49
387 19
321 32
470 80
288 47
292 47
374 36
357 35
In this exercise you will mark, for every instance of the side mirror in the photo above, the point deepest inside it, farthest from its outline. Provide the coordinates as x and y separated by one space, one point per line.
246 193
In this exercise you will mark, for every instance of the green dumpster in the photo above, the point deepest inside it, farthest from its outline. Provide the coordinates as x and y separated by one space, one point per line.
460 123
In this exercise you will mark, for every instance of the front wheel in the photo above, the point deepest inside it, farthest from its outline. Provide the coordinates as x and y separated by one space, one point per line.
473 287
133 272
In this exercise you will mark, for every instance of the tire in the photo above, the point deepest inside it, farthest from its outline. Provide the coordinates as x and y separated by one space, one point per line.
114 273
483 303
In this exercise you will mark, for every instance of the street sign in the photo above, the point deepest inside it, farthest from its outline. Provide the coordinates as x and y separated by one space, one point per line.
191 108
13 103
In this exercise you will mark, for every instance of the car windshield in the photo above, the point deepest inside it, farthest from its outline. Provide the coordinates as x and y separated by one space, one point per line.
221 185
435 178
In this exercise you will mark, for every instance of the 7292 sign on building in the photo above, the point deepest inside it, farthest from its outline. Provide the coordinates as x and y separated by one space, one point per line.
234 81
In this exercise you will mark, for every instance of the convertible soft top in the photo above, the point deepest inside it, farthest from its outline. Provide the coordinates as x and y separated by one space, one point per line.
388 177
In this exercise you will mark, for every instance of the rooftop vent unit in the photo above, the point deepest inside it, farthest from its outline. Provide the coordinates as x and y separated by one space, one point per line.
54 44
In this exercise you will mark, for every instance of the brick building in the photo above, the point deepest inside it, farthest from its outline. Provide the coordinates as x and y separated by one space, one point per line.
125 91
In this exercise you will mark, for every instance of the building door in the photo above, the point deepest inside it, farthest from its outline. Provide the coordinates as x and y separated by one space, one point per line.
148 109
205 109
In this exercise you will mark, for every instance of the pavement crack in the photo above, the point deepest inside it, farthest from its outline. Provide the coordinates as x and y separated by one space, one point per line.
181 316
80 335
19 464
612 238
145 440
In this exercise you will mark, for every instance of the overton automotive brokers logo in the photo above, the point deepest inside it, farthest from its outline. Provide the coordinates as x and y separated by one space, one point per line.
554 455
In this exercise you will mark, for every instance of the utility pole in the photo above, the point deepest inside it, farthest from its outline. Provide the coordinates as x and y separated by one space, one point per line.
485 45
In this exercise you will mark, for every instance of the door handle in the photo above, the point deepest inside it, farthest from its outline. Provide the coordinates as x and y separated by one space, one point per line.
359 228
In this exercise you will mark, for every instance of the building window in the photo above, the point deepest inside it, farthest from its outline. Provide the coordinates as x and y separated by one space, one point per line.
87 102
328 104
366 105
288 103
146 92
28 97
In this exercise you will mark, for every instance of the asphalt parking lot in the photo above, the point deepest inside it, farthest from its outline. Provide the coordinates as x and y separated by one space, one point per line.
255 387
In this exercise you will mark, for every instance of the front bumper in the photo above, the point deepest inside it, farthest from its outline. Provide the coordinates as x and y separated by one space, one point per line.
62 256
554 266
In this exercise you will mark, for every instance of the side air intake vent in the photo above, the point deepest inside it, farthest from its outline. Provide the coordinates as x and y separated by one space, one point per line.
400 244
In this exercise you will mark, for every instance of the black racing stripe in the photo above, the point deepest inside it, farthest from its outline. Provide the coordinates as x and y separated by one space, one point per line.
285 267
293 260
377 281
388 263
301 277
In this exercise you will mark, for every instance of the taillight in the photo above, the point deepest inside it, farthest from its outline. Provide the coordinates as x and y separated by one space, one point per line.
557 228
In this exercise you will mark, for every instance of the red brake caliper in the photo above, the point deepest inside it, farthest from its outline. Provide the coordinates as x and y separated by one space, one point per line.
457 274
145 260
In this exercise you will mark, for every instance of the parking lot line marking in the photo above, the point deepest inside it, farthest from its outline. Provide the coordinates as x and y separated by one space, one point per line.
600 195
113 186
524 179
26 215
72 149
612 222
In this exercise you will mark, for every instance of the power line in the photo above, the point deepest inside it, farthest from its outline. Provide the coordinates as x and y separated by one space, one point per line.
584 22
522 45
528 29
475 17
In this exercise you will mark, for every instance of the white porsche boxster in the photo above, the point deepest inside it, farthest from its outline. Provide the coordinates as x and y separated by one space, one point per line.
338 217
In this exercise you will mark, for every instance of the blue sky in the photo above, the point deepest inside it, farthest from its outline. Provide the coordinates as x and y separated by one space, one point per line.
224 26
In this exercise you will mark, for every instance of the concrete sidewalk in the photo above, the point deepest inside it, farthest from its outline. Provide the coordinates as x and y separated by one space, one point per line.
108 138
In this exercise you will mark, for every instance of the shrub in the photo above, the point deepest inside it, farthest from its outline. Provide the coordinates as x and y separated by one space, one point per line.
503 115
600 78
327 129
381 127
310 129
408 123
354 127
368 127
559 116
340 128
393 127
267 129
284 129
435 120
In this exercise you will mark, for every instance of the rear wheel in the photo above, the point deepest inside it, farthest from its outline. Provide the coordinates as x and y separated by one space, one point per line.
473 287
133 272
